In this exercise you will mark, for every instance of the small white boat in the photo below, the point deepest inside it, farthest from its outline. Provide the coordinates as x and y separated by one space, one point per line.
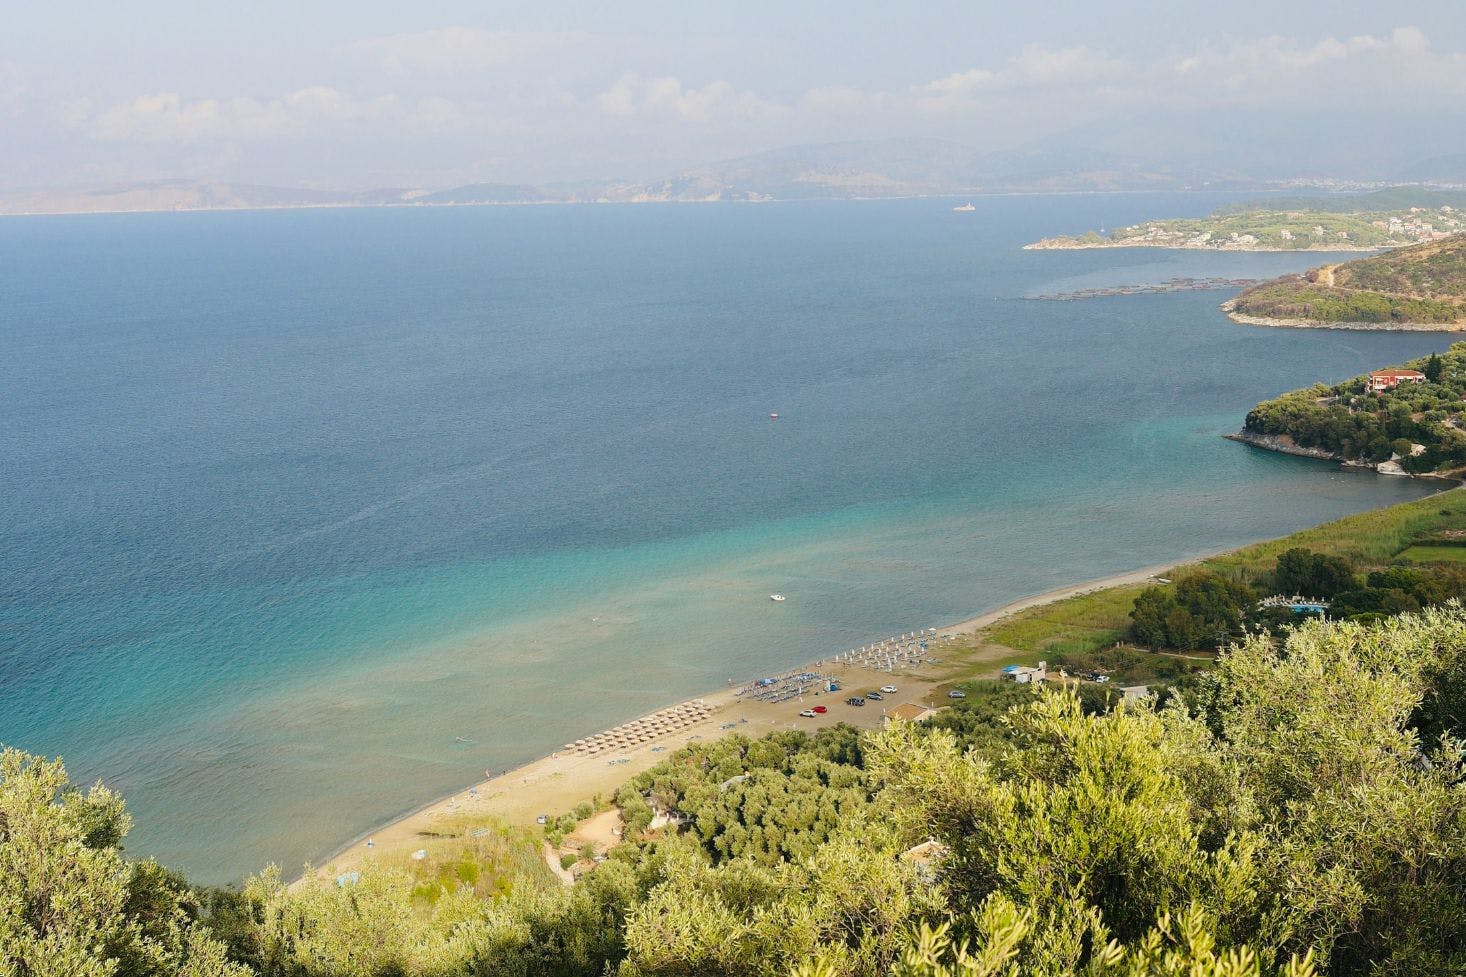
773 417
776 597
964 209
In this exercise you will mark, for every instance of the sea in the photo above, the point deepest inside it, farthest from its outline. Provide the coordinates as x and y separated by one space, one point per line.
309 517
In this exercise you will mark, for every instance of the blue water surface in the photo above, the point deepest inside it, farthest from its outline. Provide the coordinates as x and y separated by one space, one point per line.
307 517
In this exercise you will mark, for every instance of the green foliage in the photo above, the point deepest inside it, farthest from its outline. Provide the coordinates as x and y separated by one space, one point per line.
1294 224
1293 808
71 904
1182 947
1437 268
1349 422
770 799
1077 625
1433 369
1201 610
1301 808
849 905
976 722
1425 283
1299 299
366 928
1309 574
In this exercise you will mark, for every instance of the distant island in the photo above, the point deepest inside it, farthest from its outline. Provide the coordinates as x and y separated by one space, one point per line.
1374 221
849 170
1414 288
1406 420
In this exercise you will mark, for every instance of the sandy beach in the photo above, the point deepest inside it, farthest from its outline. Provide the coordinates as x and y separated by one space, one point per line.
556 783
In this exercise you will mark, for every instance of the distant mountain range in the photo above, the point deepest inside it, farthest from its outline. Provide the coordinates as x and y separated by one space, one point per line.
848 170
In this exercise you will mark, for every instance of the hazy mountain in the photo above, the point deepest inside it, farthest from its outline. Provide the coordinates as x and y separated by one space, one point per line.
1448 169
1346 142
899 168
870 168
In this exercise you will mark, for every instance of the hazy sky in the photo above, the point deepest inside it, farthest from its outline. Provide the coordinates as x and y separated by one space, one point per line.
356 94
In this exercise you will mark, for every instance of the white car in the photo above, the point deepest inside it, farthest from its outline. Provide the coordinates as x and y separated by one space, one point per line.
888 689
956 694
807 713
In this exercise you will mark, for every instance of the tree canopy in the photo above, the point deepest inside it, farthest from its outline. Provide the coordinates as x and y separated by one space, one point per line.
1300 809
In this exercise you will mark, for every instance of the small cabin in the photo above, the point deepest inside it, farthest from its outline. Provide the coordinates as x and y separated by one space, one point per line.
1024 674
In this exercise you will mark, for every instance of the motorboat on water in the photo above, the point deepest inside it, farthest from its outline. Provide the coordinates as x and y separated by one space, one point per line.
964 209
777 598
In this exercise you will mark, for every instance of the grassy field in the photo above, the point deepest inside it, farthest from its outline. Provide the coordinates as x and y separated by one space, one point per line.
1367 539
1091 623
1434 554
1074 626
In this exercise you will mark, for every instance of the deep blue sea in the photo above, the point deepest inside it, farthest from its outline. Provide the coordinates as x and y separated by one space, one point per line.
292 500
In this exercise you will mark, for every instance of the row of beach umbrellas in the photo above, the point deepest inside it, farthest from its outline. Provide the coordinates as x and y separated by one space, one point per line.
643 730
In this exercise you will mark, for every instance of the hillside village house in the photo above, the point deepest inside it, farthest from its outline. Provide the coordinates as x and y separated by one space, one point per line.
1382 380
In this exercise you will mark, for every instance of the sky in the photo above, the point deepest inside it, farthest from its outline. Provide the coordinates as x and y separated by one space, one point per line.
336 94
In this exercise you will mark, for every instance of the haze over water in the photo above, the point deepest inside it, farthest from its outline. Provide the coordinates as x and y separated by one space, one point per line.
308 517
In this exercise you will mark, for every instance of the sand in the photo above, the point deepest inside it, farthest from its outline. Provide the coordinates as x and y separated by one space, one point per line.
554 784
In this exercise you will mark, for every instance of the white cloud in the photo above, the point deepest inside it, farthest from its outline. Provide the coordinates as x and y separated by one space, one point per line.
633 95
1034 69
168 117
1367 66
594 117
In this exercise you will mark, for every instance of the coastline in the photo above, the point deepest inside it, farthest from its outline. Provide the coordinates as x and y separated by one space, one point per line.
1059 245
554 783
1284 445
1254 320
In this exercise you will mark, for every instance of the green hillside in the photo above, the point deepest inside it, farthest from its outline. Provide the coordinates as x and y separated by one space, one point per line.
1350 422
1423 284
1298 812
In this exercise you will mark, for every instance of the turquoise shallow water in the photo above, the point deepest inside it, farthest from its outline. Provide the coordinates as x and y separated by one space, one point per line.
294 500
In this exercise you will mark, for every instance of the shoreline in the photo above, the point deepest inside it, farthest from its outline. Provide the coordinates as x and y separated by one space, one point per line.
1311 249
1283 445
553 783
1280 323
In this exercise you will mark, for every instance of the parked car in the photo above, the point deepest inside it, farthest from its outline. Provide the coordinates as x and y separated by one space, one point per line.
807 713
888 689
956 694
855 700
873 695
820 710
542 819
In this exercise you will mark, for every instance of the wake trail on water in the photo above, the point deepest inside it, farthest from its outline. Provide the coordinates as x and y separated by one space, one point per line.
509 462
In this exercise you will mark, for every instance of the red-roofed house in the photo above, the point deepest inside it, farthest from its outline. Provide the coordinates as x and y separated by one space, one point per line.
1381 380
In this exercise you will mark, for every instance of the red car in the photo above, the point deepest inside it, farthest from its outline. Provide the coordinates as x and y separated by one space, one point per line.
820 709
